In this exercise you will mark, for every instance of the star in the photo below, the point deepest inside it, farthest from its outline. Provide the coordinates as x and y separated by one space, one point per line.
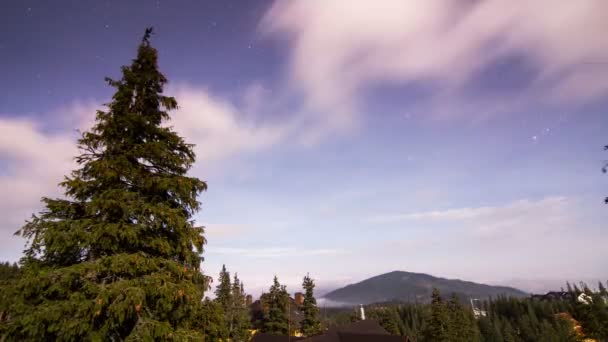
534 137
107 26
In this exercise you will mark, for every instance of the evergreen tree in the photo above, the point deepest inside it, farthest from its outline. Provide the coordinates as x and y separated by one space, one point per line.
565 330
241 322
223 297
8 272
276 306
602 289
437 327
508 333
310 324
119 257
223 290
389 320
593 317
212 321
462 325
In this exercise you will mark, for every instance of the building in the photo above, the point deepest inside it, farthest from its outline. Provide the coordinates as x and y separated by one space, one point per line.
553 295
361 331
262 337
299 298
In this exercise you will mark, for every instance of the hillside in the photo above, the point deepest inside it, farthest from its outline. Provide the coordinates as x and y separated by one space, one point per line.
410 287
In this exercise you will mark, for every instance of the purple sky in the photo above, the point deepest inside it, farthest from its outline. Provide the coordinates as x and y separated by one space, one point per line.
345 139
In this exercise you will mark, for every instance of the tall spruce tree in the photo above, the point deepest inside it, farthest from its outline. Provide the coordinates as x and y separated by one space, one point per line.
212 321
9 273
462 325
223 297
276 306
310 324
241 322
119 256
437 327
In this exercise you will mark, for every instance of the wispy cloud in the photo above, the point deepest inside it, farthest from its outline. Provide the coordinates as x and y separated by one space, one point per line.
522 216
218 128
273 252
36 154
339 48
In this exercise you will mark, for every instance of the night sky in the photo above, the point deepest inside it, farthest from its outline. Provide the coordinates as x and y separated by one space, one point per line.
344 139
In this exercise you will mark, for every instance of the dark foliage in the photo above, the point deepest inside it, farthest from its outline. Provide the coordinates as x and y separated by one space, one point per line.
310 324
275 305
564 319
119 256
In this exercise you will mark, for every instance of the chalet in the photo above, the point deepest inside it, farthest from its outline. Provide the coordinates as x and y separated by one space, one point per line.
361 331
553 295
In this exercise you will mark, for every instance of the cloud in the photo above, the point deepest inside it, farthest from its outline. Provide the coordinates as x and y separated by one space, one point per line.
217 231
340 48
519 217
272 252
552 238
33 163
218 128
36 154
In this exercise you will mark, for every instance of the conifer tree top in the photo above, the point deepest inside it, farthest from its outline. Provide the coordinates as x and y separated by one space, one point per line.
131 192
119 256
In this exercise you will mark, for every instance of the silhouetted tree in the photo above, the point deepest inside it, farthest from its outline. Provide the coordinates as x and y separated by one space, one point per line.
119 256
310 324
437 327
223 297
241 322
276 305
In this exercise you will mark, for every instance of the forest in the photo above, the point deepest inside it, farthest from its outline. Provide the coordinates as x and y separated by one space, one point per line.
500 319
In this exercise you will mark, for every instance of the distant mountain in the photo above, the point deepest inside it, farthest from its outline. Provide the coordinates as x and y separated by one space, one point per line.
402 286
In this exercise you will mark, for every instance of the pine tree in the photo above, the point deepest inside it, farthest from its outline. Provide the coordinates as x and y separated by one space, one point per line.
565 330
310 324
437 327
462 326
389 320
211 317
241 322
9 273
276 303
119 257
508 333
602 289
223 296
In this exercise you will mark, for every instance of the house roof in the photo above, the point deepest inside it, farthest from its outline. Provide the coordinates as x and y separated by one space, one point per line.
361 331
262 337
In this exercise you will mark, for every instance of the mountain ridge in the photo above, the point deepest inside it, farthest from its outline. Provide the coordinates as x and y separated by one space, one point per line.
402 286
